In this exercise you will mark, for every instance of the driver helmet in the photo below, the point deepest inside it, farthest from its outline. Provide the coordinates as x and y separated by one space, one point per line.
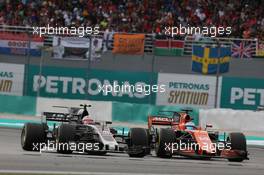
190 125
187 118
87 120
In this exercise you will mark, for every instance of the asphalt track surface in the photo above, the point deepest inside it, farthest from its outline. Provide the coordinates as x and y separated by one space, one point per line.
14 159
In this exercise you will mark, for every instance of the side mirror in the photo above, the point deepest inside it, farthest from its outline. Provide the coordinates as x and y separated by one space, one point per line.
85 105
108 122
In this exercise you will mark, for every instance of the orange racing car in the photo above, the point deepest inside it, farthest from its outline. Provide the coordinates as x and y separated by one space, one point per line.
173 133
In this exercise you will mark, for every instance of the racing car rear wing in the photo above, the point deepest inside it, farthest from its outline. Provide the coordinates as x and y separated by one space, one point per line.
60 117
160 120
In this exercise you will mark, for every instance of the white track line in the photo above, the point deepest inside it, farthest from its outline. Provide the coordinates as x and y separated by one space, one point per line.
255 142
81 173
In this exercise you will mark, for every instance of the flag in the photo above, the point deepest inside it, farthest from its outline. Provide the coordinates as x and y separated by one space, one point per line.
168 47
260 50
18 44
77 48
129 44
206 60
243 49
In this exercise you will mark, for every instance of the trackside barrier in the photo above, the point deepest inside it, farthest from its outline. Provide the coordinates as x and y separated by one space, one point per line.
78 87
221 119
138 113
233 120
100 110
18 104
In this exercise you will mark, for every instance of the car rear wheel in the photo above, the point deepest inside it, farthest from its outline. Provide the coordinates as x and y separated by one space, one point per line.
166 137
138 139
32 136
238 142
65 134
148 151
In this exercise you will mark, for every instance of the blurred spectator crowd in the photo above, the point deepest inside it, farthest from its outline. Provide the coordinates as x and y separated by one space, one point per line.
246 17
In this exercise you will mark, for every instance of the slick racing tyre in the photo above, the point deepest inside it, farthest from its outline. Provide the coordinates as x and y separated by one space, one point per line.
32 136
238 142
138 139
148 151
166 136
65 134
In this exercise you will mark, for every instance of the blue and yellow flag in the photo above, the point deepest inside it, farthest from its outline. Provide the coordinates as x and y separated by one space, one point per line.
206 60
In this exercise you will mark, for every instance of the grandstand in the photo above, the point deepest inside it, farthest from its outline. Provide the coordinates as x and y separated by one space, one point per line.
161 54
139 16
